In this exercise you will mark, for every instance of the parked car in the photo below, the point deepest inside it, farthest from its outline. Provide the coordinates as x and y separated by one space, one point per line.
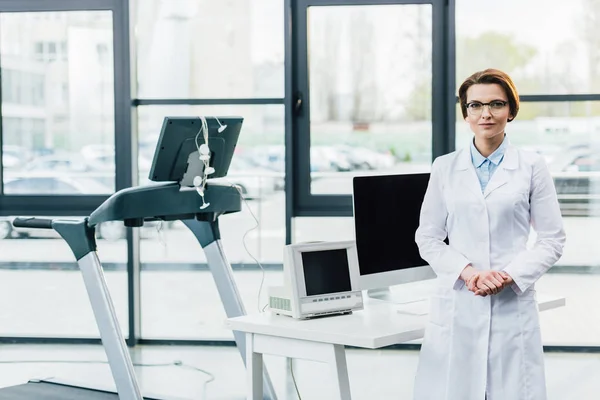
254 182
363 158
576 174
100 157
328 158
57 163
62 185
14 157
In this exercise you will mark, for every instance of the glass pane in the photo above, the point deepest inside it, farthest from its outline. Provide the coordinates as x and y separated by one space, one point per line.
173 261
210 49
370 92
56 137
558 54
43 290
567 134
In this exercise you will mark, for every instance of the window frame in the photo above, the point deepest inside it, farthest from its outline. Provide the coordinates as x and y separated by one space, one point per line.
306 204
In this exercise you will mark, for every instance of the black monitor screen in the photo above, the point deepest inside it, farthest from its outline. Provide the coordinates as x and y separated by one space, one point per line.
326 271
386 217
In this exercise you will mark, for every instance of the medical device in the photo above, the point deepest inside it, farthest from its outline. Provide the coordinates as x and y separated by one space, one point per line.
320 279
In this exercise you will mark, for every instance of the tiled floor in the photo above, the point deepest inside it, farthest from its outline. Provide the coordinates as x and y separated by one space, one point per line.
374 375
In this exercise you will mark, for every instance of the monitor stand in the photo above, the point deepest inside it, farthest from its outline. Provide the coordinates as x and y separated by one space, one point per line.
412 301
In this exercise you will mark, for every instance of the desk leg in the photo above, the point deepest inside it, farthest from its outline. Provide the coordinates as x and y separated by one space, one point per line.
337 360
254 368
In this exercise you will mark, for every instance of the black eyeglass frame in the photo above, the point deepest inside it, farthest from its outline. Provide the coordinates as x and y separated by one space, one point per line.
503 102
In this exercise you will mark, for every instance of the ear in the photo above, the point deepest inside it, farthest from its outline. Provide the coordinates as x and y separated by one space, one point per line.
510 118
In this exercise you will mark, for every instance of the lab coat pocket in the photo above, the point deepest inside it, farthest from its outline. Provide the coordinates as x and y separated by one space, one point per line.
441 308
528 311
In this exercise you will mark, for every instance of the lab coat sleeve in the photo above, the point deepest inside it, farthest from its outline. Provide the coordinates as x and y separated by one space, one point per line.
529 265
446 261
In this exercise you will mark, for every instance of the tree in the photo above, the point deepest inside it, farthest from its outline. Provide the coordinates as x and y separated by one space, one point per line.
418 104
488 50
591 36
324 38
491 50
362 67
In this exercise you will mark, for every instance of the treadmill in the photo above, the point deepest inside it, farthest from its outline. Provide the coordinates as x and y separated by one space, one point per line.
173 194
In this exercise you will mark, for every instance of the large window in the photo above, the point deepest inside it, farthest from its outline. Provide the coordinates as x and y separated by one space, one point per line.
555 63
368 88
58 159
367 95
213 58
56 137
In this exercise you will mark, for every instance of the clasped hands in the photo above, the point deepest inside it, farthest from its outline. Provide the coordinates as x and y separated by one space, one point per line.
484 283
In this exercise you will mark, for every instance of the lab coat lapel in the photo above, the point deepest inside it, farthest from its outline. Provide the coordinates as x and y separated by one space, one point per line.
502 174
468 176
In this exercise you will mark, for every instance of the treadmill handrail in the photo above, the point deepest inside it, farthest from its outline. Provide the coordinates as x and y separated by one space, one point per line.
166 201
33 222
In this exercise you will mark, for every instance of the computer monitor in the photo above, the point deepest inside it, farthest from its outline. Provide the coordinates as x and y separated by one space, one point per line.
386 217
176 158
320 279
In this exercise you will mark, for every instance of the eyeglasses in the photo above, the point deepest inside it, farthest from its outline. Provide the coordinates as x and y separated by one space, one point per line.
476 108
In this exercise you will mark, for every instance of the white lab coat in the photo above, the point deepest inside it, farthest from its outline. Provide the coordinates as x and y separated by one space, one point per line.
475 345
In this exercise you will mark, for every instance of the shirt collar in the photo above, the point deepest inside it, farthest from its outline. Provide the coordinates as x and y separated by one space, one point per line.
495 157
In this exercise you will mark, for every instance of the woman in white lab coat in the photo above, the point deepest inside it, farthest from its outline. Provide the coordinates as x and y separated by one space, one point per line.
483 339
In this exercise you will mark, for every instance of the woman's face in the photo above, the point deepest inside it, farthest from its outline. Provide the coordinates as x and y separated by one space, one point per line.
487 122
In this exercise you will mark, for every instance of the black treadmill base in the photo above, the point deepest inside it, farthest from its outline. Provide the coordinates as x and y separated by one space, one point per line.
40 390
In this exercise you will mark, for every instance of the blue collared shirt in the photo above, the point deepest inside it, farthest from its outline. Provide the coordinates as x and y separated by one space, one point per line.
485 167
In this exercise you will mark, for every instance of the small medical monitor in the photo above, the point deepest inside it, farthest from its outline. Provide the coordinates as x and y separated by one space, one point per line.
326 271
320 279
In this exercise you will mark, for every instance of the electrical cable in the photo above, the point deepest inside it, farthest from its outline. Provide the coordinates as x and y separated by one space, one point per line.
263 276
294 378
177 363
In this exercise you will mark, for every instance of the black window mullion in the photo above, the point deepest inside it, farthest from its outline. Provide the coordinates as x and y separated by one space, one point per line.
49 205
206 102
56 5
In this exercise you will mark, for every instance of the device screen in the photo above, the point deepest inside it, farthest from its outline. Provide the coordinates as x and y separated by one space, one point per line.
386 217
326 271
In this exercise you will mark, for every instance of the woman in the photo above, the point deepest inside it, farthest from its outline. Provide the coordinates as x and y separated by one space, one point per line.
483 339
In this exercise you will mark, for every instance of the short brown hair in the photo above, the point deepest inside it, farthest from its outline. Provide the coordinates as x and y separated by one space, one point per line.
486 77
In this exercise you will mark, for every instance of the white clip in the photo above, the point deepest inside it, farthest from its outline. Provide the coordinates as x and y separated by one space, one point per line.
201 193
204 151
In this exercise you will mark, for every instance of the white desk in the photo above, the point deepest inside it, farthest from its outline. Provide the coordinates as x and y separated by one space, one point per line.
323 339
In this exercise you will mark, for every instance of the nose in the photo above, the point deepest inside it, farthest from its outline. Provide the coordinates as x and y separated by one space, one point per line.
485 113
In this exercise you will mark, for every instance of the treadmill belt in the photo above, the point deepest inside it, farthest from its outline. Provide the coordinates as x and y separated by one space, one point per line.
54 391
